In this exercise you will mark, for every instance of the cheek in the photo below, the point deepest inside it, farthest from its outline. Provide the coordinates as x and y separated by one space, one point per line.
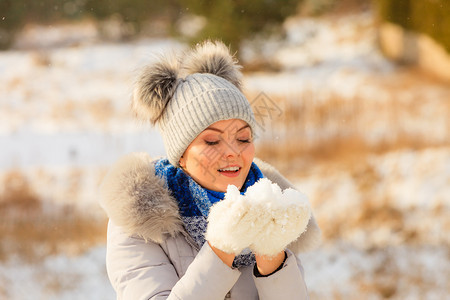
249 153
200 158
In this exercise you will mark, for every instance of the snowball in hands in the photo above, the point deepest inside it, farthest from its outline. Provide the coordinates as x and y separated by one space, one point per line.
265 219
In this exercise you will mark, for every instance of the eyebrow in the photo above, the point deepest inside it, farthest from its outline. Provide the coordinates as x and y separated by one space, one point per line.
218 130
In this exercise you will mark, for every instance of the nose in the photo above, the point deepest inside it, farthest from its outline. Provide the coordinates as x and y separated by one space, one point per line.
230 150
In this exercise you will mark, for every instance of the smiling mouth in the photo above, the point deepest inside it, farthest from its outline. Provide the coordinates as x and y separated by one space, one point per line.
230 171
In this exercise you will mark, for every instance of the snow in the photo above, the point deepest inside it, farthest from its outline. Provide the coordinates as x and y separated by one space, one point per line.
58 277
344 271
64 119
240 221
73 148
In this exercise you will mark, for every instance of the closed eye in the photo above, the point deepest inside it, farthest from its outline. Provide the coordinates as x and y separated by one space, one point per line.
244 140
211 143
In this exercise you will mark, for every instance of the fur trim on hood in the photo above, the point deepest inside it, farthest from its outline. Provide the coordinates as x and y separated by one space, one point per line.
135 199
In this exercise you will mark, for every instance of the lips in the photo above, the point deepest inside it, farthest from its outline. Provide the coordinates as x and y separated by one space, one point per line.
230 171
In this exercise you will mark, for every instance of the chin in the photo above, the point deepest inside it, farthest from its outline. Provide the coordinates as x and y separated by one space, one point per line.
223 187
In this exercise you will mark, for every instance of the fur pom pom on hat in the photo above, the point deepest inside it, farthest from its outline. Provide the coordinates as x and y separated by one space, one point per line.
154 88
214 59
186 95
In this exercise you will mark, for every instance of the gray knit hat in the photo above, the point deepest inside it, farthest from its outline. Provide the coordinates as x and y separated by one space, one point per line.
185 95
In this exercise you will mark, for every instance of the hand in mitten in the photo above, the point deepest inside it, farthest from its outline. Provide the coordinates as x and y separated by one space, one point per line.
265 218
228 224
281 216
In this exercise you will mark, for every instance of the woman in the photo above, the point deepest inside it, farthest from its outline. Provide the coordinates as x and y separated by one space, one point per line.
206 222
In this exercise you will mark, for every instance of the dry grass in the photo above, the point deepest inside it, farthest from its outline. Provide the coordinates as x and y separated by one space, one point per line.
32 229
332 135
101 110
383 280
371 216
41 59
328 127
390 278
370 212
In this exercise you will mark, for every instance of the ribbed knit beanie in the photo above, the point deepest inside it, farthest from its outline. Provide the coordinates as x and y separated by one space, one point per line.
186 94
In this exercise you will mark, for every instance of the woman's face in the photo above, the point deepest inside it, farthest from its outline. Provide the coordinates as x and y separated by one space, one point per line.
220 155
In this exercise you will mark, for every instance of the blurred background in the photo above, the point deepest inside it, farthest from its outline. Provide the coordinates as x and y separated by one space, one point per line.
353 102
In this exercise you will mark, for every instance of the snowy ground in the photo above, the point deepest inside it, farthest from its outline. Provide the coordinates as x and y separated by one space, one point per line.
64 119
57 277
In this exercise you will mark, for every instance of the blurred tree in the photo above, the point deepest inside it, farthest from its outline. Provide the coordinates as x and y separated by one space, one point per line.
134 13
397 11
228 20
14 14
234 20
431 17
11 19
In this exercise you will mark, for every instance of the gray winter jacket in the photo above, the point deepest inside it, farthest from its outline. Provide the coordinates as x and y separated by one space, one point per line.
151 256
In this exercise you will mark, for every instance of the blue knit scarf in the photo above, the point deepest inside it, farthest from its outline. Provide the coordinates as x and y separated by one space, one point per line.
194 201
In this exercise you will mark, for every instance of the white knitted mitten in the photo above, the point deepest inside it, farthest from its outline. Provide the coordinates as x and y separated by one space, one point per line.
285 215
264 219
229 225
